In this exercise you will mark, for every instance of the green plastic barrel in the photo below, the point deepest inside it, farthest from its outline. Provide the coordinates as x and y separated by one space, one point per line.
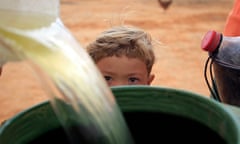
153 115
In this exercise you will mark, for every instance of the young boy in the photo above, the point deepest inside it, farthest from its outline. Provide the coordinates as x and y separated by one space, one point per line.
124 55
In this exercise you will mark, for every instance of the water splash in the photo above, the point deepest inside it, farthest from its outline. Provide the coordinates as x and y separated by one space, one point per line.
79 95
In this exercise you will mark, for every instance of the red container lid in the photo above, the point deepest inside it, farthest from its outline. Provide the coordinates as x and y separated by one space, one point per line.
211 41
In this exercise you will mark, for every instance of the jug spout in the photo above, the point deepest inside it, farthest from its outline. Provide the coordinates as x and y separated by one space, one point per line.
23 15
41 6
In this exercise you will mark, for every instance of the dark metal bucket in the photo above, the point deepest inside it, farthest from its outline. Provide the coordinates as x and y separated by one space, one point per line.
227 79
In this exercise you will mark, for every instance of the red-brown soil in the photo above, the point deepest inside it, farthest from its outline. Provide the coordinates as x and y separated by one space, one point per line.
180 63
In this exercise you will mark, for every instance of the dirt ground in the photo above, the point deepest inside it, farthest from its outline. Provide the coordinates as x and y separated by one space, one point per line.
180 62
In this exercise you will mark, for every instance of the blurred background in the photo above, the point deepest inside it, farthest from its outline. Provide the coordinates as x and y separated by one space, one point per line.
178 25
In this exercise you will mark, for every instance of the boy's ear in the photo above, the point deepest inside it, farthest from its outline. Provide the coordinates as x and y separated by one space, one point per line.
151 78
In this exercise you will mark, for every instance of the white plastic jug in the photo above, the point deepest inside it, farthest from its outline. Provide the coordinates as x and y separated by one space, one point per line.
17 15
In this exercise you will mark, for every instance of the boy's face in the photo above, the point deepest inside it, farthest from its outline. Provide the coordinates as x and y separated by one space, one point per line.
124 71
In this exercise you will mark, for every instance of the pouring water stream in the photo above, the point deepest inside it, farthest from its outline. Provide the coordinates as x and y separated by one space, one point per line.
78 93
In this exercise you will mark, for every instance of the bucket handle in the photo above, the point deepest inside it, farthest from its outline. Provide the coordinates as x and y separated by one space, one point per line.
213 89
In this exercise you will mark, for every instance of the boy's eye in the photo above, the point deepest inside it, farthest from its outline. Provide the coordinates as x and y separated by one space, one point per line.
108 78
133 80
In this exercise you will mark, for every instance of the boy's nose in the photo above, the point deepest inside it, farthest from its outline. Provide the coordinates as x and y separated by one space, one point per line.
118 83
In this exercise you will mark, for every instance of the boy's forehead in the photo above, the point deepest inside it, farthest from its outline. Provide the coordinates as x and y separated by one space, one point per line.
122 63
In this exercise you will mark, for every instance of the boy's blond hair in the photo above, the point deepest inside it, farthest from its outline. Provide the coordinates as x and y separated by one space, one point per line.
123 41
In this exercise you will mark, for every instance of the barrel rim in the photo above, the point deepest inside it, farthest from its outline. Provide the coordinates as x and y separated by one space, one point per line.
201 104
